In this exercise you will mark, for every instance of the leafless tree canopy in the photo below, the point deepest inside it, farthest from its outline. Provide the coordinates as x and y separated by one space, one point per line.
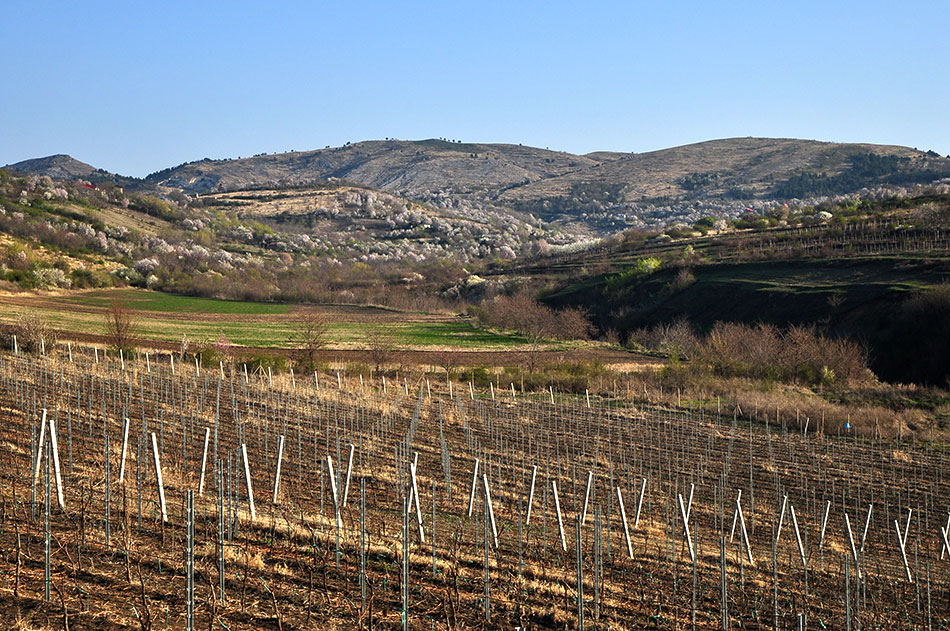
33 332
119 326
534 320
311 337
381 347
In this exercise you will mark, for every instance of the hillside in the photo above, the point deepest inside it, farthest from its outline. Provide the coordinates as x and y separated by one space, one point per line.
874 272
58 167
595 194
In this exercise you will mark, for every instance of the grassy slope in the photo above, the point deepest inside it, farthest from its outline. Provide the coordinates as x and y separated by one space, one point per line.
167 317
855 297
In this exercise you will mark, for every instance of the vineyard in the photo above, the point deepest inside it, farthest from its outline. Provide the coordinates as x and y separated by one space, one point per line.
156 494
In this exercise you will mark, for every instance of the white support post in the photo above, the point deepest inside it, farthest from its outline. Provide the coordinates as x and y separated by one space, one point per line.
798 538
946 528
689 502
854 550
636 520
623 519
59 478
349 472
173 363
781 520
903 547
471 391
39 448
491 511
689 538
491 388
946 543
333 492
204 461
824 524
471 494
735 517
280 457
158 477
534 477
867 523
247 481
148 363
590 482
560 521
415 494
69 347
745 533
125 449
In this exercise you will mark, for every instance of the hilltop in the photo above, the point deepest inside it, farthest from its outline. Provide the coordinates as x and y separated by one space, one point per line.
595 194
58 167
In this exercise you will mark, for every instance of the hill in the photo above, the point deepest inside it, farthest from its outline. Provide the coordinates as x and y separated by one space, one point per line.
58 167
595 194
598 193
875 272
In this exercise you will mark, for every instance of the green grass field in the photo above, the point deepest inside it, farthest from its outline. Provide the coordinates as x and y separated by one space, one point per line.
169 318
157 301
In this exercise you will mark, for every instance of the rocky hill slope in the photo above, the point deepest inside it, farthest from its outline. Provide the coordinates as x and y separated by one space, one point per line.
597 194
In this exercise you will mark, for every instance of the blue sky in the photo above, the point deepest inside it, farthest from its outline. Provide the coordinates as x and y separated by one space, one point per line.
137 87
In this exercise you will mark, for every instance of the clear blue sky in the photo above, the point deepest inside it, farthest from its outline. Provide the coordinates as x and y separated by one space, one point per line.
136 87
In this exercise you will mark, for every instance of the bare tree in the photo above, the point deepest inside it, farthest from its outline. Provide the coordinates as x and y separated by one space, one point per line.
119 326
381 347
311 334
33 332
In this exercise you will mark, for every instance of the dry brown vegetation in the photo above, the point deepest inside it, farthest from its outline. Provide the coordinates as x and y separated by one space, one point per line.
288 569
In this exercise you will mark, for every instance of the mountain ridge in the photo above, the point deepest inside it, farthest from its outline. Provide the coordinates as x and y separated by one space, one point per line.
603 191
